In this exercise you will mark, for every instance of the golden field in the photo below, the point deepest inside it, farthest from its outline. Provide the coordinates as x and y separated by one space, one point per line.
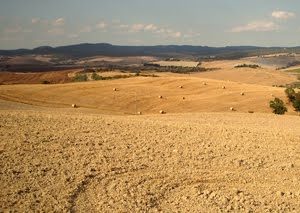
104 157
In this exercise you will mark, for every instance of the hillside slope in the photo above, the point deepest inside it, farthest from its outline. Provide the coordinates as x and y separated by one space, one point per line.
141 94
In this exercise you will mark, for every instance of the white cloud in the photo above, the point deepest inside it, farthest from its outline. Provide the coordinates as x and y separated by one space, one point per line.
124 26
101 25
36 21
59 22
160 30
56 31
140 27
150 27
169 33
256 26
282 14
176 35
137 27
191 34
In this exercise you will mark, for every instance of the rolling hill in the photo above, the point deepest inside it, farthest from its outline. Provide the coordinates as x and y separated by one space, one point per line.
88 50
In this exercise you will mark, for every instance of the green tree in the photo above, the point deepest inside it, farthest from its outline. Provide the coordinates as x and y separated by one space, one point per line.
290 93
296 102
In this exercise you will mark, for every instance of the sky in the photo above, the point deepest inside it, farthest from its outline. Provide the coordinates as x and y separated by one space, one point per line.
33 23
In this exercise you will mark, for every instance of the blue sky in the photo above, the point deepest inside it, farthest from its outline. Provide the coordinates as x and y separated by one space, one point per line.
32 23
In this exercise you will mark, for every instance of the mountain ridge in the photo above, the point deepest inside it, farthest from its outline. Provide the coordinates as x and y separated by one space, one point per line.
106 49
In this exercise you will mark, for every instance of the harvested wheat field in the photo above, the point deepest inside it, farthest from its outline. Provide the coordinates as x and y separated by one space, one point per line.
140 94
114 152
63 160
176 63
265 75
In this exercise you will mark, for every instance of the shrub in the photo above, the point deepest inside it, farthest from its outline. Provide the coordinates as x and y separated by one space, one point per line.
253 66
80 77
278 106
296 102
137 73
45 82
96 77
294 98
290 93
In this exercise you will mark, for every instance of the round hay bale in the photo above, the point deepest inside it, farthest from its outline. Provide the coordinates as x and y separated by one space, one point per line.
160 97
232 109
223 87
162 112
180 87
183 98
114 89
74 105
242 93
139 113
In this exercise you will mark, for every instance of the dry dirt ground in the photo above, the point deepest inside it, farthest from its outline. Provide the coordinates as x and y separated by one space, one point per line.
35 77
177 63
67 160
100 157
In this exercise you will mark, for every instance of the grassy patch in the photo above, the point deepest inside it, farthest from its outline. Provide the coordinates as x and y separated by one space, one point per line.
294 71
79 77
116 77
149 75
96 77
253 66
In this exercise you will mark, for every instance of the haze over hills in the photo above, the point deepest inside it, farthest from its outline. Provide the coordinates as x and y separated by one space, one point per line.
186 51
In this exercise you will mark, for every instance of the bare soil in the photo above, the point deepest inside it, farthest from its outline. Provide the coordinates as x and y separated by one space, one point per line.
35 78
66 160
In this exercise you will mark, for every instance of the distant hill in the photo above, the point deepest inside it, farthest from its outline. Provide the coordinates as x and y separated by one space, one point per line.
181 51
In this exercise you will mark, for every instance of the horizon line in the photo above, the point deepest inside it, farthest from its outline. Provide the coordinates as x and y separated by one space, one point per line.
154 45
